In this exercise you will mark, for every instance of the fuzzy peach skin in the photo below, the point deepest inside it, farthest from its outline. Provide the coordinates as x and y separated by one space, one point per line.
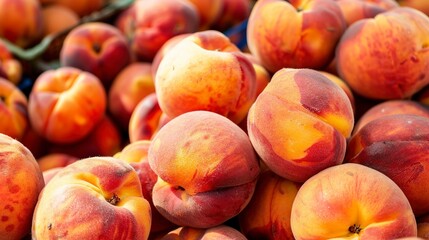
98 48
354 10
135 154
397 146
50 173
267 216
206 167
221 232
129 87
22 182
390 69
153 22
391 107
343 85
145 119
209 12
93 198
21 21
10 67
61 108
351 201
302 34
205 71
104 140
55 160
304 131
13 110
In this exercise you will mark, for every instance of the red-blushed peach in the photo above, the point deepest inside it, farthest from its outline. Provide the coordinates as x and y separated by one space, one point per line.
205 71
233 12
343 85
93 198
422 6
21 183
154 22
10 67
298 34
13 110
390 69
50 16
98 48
267 216
105 139
55 160
144 121
391 107
397 146
208 12
351 201
304 131
207 169
135 154
60 107
354 10
129 87
21 21
80 7
222 231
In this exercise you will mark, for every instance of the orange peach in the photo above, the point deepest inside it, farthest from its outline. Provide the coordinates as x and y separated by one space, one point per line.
397 146
391 107
204 163
10 67
155 21
129 87
294 34
209 12
267 216
61 108
98 48
233 12
13 110
222 231
22 182
422 6
80 7
145 119
50 16
93 198
354 10
135 154
263 77
21 21
389 69
55 160
351 201
205 71
304 131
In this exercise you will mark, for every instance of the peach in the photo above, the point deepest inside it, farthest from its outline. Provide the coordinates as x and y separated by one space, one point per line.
60 107
50 173
145 119
397 146
10 67
204 163
391 107
343 85
154 22
267 216
205 71
22 182
93 198
218 232
233 13
129 87
55 160
354 10
98 48
104 140
390 69
50 16
135 154
304 131
294 34
13 110
21 21
209 12
80 7
263 77
351 201
422 6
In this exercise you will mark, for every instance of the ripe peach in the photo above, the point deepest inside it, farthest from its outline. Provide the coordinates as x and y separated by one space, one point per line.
10 67
204 163
354 10
390 69
308 126
222 231
93 198
55 160
343 85
80 7
61 108
205 71
422 6
50 16
22 182
267 216
129 87
98 48
351 201
398 146
294 34
13 110
233 12
209 12
50 173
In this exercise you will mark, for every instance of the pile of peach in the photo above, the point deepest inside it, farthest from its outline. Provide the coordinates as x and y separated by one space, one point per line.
156 124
